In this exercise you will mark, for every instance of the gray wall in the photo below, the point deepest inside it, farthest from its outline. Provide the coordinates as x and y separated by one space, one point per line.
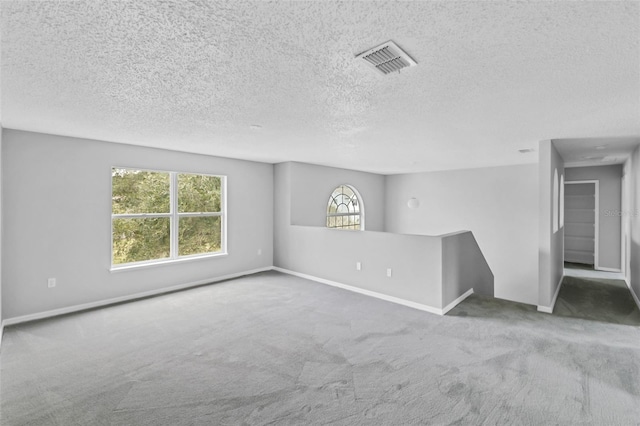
610 177
551 244
282 214
301 192
301 195
311 187
415 261
1 237
464 267
428 270
498 204
418 262
57 215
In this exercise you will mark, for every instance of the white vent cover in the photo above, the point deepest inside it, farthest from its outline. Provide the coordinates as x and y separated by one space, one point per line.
387 58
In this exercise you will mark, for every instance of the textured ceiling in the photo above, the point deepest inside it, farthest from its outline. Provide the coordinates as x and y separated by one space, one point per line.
595 151
277 81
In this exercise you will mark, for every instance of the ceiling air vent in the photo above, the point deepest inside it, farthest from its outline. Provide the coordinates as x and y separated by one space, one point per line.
387 58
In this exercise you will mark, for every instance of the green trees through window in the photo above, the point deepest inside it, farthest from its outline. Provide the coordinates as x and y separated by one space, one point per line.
164 215
343 209
199 195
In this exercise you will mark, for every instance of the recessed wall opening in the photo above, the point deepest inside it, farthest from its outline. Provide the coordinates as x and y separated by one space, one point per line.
581 223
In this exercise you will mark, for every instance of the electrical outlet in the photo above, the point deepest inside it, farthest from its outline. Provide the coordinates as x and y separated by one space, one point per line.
389 272
259 252
358 266
51 282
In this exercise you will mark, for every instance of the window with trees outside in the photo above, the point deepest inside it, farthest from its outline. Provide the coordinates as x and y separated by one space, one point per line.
161 216
344 209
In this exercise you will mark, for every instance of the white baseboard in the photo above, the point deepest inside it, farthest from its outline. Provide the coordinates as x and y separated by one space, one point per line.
549 309
128 298
377 295
455 303
603 269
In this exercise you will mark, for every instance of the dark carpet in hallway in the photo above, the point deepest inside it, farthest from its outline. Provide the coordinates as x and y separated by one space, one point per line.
597 299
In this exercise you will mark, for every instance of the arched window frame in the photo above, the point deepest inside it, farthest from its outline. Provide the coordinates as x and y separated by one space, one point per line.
355 207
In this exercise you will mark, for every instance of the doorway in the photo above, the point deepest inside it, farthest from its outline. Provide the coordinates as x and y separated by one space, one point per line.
581 205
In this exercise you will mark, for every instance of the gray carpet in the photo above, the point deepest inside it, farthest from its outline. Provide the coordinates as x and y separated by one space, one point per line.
275 349
594 299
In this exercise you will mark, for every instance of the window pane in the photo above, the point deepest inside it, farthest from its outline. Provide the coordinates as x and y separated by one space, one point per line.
199 193
331 222
137 191
199 235
347 191
135 240
332 207
350 221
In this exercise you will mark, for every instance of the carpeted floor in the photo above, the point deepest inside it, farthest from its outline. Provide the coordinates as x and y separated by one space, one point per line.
276 349
597 299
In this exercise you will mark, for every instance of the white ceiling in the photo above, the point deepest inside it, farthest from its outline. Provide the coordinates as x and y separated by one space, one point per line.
492 77
595 151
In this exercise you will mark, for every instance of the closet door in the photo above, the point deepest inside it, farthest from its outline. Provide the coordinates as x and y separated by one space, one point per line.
580 222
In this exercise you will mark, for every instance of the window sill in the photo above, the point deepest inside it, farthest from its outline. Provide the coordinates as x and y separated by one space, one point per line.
144 265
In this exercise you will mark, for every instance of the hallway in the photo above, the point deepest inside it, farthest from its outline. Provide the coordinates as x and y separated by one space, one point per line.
596 296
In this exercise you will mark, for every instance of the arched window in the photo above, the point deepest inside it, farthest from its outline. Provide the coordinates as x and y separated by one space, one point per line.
345 210
555 200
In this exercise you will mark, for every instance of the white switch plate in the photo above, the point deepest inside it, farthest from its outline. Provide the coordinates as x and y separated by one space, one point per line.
358 266
259 252
389 272
51 282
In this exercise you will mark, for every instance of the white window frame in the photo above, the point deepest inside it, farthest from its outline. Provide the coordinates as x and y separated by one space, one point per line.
174 217
360 207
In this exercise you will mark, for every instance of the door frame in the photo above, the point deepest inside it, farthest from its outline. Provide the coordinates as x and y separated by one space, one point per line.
596 242
625 257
